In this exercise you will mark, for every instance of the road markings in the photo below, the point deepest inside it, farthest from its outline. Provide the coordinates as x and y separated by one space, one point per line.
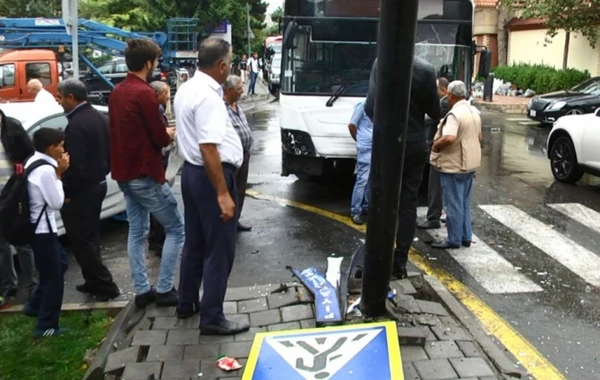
533 361
492 271
578 259
580 213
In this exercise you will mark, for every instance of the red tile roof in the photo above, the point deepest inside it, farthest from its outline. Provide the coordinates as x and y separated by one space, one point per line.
517 23
486 3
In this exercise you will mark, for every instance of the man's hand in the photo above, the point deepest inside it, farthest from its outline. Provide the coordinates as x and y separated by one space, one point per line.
352 129
171 131
227 206
63 164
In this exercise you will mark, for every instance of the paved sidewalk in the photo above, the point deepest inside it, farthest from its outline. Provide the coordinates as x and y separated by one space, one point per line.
433 344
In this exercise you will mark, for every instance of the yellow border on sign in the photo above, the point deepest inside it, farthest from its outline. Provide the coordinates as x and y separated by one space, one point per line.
393 345
523 350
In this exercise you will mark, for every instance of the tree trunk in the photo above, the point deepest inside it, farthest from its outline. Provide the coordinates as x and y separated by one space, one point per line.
502 37
566 51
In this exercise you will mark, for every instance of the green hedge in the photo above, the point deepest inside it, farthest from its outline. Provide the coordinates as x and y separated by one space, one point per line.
540 78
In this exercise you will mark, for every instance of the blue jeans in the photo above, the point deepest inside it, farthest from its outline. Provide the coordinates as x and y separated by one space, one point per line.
253 77
144 196
362 188
456 190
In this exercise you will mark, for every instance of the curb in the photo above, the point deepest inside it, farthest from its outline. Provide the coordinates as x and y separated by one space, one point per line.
501 108
497 356
118 327
112 305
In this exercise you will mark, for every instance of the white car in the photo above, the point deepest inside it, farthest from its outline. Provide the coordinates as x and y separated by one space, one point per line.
114 202
574 147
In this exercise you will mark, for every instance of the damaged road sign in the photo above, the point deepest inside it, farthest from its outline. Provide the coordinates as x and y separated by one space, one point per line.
364 351
327 303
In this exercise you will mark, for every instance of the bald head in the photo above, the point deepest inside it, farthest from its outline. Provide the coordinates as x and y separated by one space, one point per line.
162 90
34 86
159 86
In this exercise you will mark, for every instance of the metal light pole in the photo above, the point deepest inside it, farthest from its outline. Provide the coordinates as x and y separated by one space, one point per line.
71 20
395 50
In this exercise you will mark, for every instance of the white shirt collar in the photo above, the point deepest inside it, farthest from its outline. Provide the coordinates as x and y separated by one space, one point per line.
45 157
209 81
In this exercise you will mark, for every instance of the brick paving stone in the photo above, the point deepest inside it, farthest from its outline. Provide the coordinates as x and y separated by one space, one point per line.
428 320
236 349
438 369
214 339
284 326
265 318
210 371
201 352
468 348
165 353
249 292
278 300
155 311
430 335
448 321
141 371
297 313
443 350
181 369
183 337
403 286
253 305
487 378
239 318
149 338
308 324
190 323
407 303
428 307
471 367
412 353
304 295
119 359
164 323
249 335
451 333
230 308
412 336
410 373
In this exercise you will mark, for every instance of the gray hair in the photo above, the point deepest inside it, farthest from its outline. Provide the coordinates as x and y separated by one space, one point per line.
73 87
231 82
458 89
158 86
211 51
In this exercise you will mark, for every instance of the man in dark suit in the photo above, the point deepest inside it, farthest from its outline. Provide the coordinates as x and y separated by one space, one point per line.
434 188
87 142
424 100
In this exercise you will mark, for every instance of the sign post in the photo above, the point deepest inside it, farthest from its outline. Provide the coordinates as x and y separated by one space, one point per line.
71 20
395 50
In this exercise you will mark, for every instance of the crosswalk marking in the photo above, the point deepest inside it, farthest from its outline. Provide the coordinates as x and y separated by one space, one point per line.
579 213
492 271
578 259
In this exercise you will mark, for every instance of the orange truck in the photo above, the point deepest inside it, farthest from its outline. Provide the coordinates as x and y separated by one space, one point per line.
17 67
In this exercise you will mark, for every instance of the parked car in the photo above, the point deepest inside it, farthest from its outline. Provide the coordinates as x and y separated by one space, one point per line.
581 99
114 70
574 147
114 202
275 74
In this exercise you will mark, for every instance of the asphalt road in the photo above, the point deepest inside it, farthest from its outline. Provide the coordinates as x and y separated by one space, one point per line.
535 260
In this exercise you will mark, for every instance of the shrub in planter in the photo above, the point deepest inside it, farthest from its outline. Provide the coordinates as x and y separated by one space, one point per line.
540 78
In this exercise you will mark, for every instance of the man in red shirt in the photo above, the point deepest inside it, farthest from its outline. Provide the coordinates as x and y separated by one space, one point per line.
137 136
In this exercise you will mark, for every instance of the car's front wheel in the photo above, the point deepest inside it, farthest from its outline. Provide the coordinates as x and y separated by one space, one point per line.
563 161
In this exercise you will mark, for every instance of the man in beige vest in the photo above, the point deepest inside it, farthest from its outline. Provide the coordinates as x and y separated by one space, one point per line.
455 154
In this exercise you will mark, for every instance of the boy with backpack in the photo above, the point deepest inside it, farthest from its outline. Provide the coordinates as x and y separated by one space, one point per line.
46 196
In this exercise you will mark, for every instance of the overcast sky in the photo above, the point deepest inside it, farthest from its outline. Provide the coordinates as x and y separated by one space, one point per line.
273 4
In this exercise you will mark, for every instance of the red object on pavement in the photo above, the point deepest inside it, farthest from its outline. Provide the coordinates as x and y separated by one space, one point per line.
228 364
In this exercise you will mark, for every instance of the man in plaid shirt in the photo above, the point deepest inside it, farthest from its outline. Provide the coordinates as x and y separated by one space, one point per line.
233 91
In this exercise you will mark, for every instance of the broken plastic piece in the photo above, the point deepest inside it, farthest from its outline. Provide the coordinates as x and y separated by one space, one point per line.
228 364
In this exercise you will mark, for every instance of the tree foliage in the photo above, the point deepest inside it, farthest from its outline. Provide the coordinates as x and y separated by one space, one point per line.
30 8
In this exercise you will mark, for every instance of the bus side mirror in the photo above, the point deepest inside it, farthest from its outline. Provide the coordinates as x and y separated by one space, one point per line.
485 63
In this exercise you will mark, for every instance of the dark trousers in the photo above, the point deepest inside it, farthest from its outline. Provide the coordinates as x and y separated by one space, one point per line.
434 196
242 182
209 248
81 217
415 159
51 262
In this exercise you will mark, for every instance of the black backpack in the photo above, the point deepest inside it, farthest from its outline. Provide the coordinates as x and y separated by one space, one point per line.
15 222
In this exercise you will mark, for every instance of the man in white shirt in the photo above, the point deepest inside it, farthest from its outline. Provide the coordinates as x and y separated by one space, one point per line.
45 103
46 197
253 72
213 152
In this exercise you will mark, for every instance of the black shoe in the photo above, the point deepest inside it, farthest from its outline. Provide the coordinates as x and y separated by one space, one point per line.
443 220
224 328
167 299
143 300
106 296
429 225
356 219
466 243
243 228
100 292
186 313
445 245
399 273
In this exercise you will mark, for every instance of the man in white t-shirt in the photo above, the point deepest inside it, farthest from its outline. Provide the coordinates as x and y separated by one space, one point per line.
213 154
45 103
253 69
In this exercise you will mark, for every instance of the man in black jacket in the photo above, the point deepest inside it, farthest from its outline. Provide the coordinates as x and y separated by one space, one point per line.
423 101
16 147
87 142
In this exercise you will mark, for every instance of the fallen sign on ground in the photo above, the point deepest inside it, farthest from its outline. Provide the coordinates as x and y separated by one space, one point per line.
327 303
362 351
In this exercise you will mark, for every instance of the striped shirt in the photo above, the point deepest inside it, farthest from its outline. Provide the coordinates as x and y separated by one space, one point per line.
6 168
240 123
